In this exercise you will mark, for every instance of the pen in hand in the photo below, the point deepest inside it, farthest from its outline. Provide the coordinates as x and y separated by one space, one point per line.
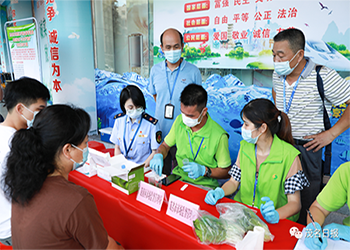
313 223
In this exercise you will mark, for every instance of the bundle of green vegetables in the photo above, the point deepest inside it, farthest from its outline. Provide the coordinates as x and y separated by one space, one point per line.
234 222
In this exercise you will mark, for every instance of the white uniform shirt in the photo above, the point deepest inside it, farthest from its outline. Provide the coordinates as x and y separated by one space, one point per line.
6 134
148 136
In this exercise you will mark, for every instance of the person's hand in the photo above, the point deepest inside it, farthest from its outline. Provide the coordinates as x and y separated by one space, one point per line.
214 195
194 170
147 162
313 242
337 231
268 211
157 164
319 141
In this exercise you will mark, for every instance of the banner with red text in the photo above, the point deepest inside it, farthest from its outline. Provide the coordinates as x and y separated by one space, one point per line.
239 33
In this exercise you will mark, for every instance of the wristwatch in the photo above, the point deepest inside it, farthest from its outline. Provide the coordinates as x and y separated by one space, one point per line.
207 172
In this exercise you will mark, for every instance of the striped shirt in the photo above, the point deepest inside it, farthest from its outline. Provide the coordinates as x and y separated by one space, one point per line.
306 111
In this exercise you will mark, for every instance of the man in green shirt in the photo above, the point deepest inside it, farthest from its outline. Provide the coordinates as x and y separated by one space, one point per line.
333 196
202 144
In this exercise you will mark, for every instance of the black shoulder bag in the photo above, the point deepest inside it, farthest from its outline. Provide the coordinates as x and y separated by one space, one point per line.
326 122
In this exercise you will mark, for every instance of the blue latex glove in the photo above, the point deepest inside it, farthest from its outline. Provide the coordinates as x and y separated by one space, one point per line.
194 170
313 242
268 211
214 195
156 164
343 231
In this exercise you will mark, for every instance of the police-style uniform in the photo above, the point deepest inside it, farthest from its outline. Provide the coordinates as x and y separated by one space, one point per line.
136 140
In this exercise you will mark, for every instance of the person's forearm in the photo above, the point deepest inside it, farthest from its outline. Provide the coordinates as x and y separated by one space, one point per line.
149 158
342 124
117 150
163 149
318 213
290 209
230 187
220 173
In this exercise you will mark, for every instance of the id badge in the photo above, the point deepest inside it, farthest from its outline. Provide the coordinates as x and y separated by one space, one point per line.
169 111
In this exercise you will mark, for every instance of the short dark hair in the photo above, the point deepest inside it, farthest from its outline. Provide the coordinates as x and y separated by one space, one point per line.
180 34
35 151
24 90
194 94
136 96
295 38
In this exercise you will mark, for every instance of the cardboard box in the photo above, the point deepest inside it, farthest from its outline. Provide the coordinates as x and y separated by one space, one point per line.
106 134
123 174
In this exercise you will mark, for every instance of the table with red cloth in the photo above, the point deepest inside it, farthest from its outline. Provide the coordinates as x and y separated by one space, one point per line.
138 226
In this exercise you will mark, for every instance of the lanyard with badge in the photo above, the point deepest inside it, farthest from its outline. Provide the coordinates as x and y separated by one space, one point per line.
133 139
199 148
286 109
169 108
256 179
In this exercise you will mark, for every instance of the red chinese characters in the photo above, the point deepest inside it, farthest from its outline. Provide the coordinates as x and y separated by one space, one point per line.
53 37
54 49
196 22
50 12
197 6
196 37
54 54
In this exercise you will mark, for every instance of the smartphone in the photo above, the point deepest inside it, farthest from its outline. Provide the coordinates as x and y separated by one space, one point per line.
170 179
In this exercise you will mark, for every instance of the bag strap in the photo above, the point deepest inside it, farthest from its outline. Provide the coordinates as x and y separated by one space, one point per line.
326 122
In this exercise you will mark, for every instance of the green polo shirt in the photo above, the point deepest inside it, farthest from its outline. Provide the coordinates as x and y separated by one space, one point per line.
336 193
213 152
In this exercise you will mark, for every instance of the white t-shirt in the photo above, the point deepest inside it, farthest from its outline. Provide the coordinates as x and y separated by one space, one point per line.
6 134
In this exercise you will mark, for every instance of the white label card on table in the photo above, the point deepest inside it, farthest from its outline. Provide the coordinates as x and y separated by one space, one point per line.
182 210
150 195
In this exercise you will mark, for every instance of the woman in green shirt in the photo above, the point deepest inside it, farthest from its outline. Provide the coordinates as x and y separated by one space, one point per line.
267 168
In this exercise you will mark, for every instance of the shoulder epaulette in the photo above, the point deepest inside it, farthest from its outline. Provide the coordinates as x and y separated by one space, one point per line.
119 115
149 118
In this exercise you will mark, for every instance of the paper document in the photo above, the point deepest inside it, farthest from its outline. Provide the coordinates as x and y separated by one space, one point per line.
332 244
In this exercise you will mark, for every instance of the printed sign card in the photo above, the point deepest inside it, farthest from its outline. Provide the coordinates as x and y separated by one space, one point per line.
150 195
182 210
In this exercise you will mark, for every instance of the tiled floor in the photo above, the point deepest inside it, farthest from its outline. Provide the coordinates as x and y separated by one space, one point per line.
336 217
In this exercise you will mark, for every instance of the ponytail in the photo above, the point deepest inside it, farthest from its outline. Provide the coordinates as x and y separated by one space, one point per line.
285 129
26 169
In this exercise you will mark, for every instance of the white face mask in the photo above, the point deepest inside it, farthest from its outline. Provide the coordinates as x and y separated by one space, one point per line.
173 56
30 122
283 68
191 122
135 113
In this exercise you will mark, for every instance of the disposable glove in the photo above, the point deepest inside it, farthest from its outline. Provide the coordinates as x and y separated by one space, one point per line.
156 164
214 195
343 231
194 170
268 211
313 242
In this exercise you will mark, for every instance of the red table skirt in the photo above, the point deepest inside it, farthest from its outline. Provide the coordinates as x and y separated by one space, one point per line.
3 247
137 226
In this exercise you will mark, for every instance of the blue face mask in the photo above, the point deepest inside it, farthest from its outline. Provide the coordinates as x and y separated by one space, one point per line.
173 56
247 135
85 157
283 68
